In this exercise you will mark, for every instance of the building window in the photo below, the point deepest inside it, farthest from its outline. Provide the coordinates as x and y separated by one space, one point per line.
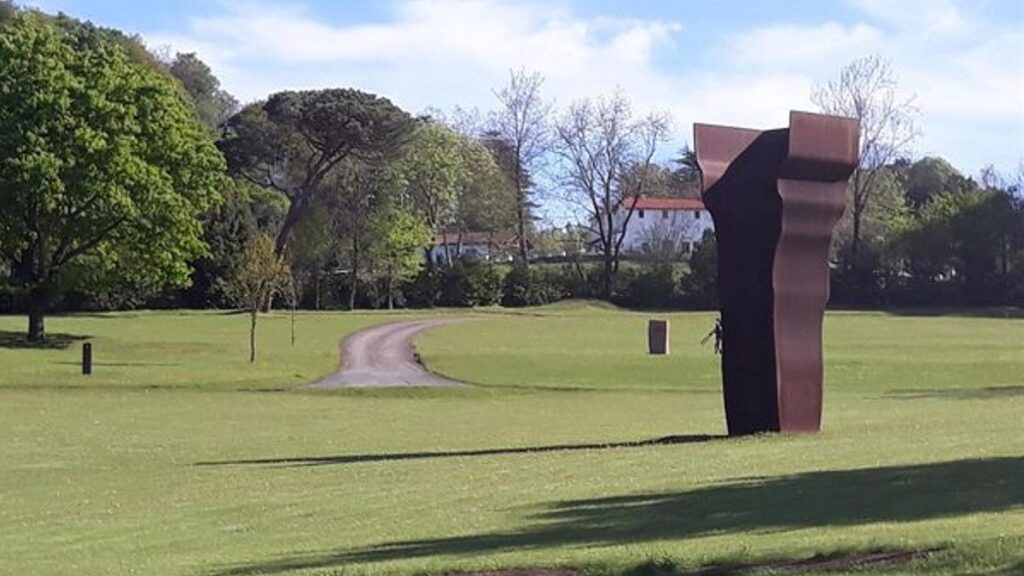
641 215
664 213
696 214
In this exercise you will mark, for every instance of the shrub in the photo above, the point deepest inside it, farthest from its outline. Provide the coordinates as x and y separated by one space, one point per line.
648 287
467 283
526 286
424 290
698 287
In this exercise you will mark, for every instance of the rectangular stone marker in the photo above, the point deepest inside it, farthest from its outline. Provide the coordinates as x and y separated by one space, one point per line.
657 337
87 358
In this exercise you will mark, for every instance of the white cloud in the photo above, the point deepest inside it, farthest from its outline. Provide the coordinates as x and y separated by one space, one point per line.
799 46
440 53
919 16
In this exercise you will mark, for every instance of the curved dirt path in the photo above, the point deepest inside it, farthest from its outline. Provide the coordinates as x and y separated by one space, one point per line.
382 356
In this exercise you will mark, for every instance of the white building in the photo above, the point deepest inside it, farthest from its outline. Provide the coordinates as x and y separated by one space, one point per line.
663 224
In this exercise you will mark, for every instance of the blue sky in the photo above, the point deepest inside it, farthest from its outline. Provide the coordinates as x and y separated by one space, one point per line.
734 62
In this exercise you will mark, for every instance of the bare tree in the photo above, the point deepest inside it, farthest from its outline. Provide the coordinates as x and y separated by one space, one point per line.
598 142
668 240
868 90
522 122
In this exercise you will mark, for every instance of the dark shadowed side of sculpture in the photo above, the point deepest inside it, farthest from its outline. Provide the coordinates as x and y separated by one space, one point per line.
775 197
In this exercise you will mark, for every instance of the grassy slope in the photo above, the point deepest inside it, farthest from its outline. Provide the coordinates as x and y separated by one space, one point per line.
922 448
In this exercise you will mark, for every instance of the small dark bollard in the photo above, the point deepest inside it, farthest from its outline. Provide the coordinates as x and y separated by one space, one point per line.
87 358
657 337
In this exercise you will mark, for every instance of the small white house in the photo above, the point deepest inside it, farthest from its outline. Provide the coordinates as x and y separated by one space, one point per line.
657 224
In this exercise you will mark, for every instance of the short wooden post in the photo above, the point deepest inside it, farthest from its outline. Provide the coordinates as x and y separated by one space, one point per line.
87 358
657 337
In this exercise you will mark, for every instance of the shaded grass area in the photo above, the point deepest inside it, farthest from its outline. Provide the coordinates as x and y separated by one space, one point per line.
782 503
575 450
14 340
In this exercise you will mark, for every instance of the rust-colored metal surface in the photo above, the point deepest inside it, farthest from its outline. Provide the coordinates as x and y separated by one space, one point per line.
657 337
775 197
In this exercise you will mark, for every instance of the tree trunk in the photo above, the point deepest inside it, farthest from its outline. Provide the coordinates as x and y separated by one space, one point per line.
36 323
521 207
855 240
391 292
354 284
428 253
316 290
606 288
252 334
295 303
522 232
295 212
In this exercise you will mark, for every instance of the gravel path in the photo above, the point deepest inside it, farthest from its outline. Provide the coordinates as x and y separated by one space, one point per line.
383 356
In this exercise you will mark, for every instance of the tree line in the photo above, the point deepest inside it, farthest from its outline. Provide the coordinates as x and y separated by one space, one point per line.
129 178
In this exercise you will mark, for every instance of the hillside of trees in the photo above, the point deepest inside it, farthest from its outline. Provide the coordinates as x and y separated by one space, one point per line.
133 179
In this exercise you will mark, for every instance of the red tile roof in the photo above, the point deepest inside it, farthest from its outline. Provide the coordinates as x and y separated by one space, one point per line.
653 203
452 238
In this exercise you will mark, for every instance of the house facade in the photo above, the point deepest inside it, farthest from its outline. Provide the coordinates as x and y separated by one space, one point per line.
662 224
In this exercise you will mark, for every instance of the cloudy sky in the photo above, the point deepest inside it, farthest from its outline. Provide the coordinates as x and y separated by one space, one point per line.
729 62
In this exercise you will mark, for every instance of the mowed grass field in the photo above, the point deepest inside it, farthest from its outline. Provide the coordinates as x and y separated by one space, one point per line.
571 447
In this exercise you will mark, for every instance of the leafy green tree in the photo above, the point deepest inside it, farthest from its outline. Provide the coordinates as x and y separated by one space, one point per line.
358 192
396 238
294 141
245 210
929 177
103 168
261 274
861 278
434 172
486 199
213 104
700 283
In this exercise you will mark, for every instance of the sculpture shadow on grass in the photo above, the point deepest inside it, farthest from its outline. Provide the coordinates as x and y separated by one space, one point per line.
386 457
101 364
54 341
823 499
987 393
1002 312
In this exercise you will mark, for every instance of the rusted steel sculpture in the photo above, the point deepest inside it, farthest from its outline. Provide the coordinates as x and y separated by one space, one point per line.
775 197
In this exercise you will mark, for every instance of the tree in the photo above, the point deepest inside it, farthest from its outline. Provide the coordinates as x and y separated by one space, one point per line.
522 123
486 199
361 190
868 90
686 176
261 274
667 241
434 172
700 283
103 168
930 176
293 141
598 142
213 105
397 236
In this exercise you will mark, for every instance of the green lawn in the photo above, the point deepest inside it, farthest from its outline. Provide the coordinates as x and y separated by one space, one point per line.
178 457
